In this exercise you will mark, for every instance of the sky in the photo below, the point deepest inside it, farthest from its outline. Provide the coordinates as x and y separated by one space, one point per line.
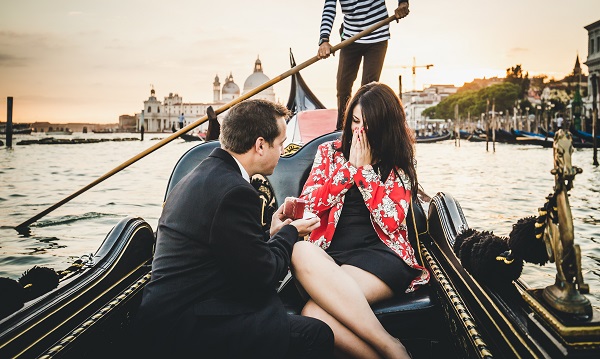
92 61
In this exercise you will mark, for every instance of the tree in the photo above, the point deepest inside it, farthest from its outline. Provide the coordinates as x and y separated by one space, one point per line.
515 76
504 94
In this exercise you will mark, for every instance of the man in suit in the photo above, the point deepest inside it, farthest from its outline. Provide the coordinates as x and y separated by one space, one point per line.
212 292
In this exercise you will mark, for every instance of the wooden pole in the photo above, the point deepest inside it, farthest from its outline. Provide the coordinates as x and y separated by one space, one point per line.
595 86
9 128
487 126
494 125
203 119
456 126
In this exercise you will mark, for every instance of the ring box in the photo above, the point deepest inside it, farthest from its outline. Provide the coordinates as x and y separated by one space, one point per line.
294 207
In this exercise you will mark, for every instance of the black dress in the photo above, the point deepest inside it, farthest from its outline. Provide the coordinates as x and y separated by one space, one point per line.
356 243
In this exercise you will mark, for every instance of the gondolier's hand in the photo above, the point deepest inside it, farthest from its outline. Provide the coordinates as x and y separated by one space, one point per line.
324 50
401 11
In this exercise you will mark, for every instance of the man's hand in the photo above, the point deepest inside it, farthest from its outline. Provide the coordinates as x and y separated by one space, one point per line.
278 220
306 225
402 10
324 50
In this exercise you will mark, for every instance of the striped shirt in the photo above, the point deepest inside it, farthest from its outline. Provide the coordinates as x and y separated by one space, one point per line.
358 15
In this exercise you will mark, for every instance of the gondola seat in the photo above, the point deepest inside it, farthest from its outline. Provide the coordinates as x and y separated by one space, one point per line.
405 316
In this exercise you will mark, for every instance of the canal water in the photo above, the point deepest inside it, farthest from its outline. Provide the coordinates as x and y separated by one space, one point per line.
494 189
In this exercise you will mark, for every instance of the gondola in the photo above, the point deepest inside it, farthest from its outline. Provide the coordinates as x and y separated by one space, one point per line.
470 136
545 132
187 137
584 135
90 313
446 135
578 142
18 131
530 138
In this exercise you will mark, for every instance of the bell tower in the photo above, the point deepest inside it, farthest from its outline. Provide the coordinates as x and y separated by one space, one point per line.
216 89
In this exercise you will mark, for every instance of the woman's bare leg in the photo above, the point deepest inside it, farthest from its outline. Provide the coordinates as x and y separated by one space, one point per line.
347 344
338 293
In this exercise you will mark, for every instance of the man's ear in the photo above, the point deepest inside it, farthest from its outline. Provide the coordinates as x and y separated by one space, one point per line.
259 145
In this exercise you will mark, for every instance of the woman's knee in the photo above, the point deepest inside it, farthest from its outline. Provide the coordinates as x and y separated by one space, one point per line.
311 309
303 251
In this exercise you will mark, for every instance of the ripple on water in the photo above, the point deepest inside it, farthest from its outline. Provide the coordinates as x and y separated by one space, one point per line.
70 219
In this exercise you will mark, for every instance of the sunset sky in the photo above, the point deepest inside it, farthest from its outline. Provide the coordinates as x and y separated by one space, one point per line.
91 61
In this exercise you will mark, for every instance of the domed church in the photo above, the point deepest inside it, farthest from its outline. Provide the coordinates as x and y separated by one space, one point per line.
163 116
256 79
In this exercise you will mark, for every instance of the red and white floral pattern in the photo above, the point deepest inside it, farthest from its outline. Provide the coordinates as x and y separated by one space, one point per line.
332 176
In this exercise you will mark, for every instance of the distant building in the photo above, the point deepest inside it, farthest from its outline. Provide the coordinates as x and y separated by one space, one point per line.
163 116
593 64
415 102
127 123
73 127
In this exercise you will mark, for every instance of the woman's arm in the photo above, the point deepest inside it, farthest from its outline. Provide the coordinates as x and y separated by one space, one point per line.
328 181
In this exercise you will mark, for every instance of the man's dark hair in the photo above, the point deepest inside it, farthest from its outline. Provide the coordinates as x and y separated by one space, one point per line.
250 120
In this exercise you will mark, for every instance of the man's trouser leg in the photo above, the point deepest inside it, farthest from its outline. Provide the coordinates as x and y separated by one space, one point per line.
374 55
310 338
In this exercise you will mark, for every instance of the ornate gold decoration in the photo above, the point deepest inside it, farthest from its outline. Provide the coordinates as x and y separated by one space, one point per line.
459 308
291 149
565 294
572 334
265 192
135 287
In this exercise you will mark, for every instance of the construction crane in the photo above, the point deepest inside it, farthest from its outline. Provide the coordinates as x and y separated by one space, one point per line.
414 71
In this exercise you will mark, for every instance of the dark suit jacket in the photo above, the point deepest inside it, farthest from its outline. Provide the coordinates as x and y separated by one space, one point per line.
215 271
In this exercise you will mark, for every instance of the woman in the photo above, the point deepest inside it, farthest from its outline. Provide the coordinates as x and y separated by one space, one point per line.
360 187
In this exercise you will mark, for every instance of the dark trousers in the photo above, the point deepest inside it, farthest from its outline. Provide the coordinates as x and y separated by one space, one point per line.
372 56
309 338
239 336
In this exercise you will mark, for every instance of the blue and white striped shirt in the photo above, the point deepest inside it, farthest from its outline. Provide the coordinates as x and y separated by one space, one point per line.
358 15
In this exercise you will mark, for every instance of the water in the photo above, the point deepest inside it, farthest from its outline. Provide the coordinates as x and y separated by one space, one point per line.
494 189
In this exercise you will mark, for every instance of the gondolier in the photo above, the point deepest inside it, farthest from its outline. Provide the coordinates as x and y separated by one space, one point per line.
371 49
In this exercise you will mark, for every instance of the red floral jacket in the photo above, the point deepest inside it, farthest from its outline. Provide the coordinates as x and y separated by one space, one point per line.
332 176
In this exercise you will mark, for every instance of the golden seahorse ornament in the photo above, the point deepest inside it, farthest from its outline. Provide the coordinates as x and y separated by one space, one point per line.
565 294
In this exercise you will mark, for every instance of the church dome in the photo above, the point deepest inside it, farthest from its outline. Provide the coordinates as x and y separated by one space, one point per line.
230 87
256 79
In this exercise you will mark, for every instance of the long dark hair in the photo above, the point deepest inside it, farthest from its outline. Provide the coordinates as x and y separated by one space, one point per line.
391 140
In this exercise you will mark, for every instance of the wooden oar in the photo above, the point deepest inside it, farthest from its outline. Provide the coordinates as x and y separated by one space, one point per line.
203 119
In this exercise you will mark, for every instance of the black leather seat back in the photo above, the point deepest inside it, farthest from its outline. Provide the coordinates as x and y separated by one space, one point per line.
292 171
189 161
416 223
287 179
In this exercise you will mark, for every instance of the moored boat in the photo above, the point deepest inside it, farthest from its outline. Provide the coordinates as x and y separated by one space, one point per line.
470 136
584 135
445 135
191 137
62 132
17 129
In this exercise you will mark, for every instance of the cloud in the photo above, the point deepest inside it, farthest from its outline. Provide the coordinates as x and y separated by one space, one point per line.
37 41
517 51
75 13
8 60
